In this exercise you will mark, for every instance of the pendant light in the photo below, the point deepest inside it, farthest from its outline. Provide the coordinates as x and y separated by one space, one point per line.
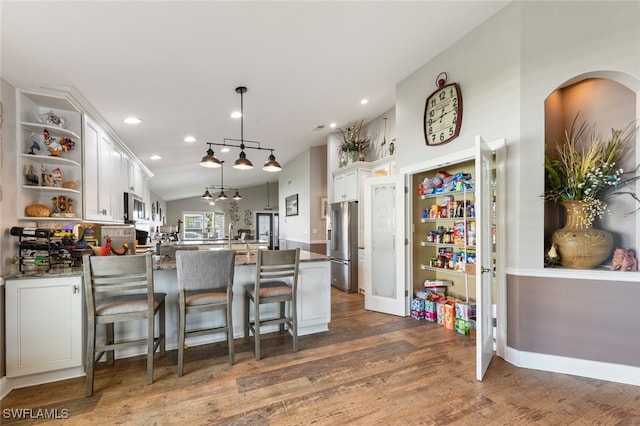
221 196
209 160
242 163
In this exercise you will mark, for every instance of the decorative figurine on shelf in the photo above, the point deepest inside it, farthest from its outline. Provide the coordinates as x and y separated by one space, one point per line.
34 146
392 146
47 178
624 260
62 204
54 205
31 176
552 258
57 176
53 146
67 144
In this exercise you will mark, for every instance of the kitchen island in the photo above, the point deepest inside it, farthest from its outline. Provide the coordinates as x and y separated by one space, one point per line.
314 300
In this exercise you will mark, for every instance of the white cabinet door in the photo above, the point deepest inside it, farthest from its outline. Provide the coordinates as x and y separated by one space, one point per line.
91 170
105 177
116 181
43 324
338 188
102 176
351 186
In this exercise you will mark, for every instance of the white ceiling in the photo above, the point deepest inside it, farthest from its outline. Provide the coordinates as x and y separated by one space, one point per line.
176 65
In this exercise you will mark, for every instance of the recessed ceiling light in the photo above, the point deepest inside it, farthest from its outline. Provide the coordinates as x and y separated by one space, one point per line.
364 101
211 203
132 120
224 149
155 157
189 139
236 114
332 125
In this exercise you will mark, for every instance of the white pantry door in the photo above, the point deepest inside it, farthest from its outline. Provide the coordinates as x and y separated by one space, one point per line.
484 317
384 283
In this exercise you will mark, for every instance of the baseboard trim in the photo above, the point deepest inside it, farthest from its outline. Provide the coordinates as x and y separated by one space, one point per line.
618 373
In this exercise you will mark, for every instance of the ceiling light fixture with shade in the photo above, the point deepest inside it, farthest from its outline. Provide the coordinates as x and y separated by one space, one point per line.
221 196
242 163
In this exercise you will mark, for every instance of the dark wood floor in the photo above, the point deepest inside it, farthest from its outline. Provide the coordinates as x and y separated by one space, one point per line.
369 369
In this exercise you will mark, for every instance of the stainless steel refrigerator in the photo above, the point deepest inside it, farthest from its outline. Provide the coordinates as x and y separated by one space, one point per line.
342 245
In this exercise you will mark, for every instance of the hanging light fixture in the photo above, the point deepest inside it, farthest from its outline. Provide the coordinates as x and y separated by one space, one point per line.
242 163
209 160
221 196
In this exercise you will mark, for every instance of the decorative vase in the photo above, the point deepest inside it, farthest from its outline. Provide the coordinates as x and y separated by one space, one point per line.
580 246
352 157
342 159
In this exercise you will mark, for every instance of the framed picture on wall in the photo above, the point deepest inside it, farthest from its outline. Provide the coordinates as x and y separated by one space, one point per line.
323 207
291 205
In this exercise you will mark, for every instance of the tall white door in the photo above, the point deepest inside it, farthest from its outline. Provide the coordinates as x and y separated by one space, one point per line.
384 286
484 317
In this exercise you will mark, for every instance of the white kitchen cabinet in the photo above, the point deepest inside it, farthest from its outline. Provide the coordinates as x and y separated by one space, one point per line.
102 175
49 168
348 185
44 324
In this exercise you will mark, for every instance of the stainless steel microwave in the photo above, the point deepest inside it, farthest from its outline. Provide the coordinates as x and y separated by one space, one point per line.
134 208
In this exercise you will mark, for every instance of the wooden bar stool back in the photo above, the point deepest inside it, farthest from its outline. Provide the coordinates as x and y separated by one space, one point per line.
205 282
118 289
276 282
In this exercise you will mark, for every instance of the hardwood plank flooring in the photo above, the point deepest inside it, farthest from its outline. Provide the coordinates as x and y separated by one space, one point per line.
369 369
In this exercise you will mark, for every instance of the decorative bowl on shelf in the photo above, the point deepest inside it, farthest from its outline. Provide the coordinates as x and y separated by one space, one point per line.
51 119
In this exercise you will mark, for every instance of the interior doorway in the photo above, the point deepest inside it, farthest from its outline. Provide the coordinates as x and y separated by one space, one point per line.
267 229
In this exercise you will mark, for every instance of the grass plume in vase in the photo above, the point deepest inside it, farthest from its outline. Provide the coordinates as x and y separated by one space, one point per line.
585 165
352 140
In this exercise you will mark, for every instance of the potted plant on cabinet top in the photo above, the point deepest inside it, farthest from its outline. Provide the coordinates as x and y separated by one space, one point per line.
583 168
353 146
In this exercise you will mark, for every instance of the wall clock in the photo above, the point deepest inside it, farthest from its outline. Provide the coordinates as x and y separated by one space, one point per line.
443 112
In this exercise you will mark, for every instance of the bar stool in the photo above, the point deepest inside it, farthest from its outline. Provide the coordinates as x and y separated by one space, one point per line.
205 282
276 282
118 289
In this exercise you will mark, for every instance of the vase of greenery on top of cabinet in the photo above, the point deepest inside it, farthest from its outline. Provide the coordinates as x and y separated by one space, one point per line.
49 156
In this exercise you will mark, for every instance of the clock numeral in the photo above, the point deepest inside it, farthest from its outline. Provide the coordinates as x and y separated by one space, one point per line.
433 102
441 137
450 131
430 129
433 137
442 96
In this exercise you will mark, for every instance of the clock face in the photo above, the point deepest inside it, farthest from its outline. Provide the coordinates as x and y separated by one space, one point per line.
443 115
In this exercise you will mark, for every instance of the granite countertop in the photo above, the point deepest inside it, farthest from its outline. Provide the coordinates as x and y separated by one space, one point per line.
168 262
159 263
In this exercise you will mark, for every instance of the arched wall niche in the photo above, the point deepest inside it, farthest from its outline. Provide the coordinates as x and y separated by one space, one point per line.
605 100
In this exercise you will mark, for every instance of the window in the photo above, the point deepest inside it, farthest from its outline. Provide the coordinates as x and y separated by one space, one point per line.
200 225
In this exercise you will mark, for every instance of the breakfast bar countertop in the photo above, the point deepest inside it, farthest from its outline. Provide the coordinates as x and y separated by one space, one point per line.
169 262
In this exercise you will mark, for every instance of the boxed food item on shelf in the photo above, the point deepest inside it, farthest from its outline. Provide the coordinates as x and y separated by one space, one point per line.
431 306
465 327
417 308
465 310
460 233
449 315
437 286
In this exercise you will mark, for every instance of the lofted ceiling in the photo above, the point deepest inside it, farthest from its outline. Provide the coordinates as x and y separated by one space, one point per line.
176 64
